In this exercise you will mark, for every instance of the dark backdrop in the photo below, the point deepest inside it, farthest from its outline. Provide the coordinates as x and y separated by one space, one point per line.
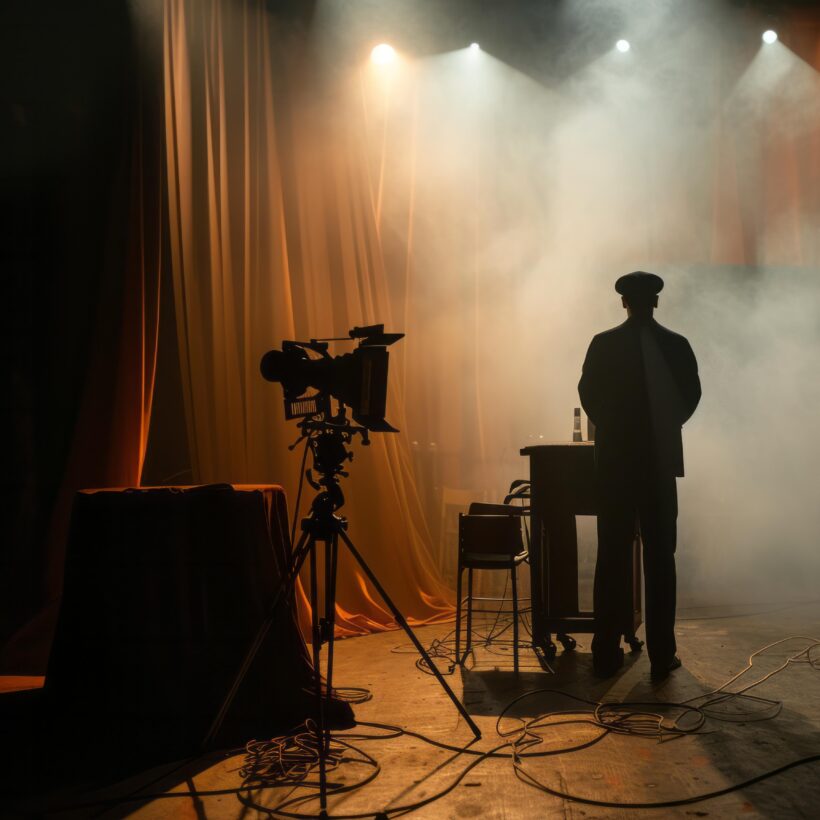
78 234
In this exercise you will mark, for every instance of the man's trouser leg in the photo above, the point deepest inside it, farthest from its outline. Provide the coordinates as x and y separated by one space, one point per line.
612 593
658 513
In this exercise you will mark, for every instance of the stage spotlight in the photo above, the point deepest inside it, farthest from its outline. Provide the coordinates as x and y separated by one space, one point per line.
622 46
769 36
475 47
383 54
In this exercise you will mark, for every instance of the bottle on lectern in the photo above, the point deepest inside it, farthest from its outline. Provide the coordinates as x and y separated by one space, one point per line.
576 425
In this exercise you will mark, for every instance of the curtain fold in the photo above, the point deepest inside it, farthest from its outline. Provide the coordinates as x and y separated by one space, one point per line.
273 237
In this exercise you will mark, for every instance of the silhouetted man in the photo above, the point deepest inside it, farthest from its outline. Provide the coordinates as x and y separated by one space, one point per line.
639 385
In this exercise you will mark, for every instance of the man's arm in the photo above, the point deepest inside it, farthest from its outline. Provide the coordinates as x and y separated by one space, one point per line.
688 380
589 388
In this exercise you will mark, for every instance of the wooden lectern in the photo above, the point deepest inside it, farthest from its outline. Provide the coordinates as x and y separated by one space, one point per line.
562 485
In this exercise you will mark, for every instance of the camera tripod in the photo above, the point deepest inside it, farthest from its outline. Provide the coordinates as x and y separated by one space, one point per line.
327 439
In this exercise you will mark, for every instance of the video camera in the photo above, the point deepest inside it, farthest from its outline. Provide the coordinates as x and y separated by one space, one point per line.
357 380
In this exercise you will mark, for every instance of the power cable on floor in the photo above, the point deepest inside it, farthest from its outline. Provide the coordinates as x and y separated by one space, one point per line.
291 761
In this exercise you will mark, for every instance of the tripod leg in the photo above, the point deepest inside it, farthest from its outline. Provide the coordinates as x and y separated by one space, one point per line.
316 638
331 553
303 548
400 620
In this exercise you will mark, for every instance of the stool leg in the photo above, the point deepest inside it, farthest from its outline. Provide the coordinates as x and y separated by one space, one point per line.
458 613
469 608
514 575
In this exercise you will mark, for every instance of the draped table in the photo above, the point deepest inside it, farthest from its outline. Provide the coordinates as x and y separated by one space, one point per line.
165 589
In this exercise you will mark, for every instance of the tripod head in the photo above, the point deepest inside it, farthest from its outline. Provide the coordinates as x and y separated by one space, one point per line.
328 437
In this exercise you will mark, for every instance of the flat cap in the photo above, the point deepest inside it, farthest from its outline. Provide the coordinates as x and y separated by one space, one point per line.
639 282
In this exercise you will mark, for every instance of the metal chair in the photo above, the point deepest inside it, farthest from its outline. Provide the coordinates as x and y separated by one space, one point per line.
489 537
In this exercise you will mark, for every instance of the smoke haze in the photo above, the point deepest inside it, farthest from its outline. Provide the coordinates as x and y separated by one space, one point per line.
513 184
531 190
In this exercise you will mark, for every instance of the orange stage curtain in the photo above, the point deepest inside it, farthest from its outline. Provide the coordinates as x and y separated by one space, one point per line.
273 236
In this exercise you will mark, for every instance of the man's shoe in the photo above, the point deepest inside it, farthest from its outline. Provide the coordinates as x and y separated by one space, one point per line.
608 666
661 672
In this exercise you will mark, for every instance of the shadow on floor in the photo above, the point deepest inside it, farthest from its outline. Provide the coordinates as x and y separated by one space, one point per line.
487 691
740 739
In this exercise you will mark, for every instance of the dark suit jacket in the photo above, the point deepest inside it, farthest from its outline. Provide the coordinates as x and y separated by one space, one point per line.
639 385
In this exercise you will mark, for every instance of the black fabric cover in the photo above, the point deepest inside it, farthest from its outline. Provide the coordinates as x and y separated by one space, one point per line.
164 592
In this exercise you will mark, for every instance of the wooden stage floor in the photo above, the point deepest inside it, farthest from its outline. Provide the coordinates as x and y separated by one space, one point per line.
714 644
